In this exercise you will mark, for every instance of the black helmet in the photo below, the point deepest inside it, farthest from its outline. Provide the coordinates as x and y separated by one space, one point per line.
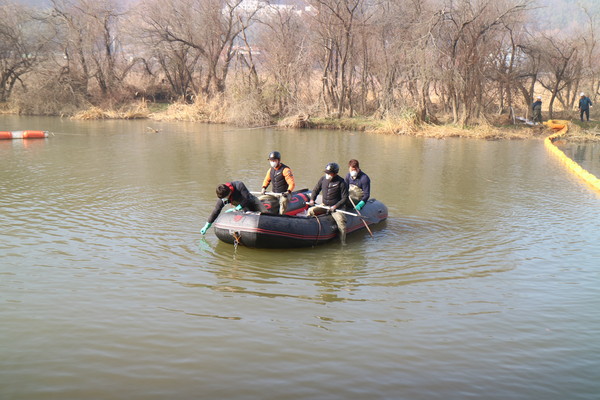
332 168
274 155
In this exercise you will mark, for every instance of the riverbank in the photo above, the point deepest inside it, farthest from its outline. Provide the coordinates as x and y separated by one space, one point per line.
497 128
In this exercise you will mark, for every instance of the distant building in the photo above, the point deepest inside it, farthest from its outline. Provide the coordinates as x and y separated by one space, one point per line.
266 7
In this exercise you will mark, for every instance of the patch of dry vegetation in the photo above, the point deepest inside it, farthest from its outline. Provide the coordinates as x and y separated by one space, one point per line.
297 121
8 108
138 110
201 110
248 109
486 132
579 133
405 122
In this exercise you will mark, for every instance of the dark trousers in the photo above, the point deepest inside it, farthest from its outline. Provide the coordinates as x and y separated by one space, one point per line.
586 112
256 205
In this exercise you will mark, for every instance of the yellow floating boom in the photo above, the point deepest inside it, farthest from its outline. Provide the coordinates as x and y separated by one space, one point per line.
561 127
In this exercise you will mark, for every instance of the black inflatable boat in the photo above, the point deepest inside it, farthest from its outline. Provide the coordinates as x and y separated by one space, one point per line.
253 229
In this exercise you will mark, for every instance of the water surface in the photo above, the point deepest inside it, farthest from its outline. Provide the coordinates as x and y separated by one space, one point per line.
483 283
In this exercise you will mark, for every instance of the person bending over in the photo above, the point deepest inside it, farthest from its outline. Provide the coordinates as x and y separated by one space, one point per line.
236 194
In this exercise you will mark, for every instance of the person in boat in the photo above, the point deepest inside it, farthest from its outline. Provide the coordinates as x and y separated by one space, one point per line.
584 106
536 107
334 192
359 185
236 194
282 178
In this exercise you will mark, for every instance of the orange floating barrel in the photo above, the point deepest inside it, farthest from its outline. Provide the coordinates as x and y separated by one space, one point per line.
35 134
23 135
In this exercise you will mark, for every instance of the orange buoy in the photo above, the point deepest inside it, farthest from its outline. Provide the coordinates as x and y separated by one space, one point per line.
23 135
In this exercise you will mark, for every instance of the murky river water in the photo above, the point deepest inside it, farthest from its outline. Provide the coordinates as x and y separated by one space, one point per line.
586 154
483 283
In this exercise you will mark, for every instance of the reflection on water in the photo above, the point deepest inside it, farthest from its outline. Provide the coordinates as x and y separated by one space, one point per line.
482 283
586 154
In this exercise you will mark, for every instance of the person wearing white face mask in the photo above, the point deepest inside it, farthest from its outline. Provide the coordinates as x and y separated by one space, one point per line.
334 194
359 184
282 178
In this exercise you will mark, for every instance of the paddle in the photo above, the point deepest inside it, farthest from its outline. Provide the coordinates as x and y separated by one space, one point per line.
363 221
277 194
340 211
268 193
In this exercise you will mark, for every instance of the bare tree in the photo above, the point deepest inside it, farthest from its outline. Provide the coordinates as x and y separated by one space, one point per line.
23 41
92 45
561 67
591 56
209 27
465 39
283 42
336 22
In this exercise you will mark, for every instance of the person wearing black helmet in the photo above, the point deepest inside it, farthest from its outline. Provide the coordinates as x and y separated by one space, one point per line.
334 193
282 178
236 194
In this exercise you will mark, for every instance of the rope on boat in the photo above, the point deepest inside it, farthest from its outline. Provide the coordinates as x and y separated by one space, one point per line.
319 232
561 127
237 239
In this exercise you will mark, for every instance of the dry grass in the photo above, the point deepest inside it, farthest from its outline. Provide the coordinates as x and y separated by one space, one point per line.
137 110
404 122
8 108
201 110
247 108
583 132
485 132
298 121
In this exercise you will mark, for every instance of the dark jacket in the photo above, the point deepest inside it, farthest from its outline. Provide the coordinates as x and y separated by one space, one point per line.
335 191
537 106
240 195
363 181
585 103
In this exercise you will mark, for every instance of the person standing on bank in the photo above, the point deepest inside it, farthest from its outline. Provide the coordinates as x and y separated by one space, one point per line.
584 106
335 195
282 178
236 194
359 185
537 110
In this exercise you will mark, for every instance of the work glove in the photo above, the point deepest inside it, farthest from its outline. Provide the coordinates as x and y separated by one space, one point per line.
236 208
311 203
286 194
205 228
331 210
263 191
360 205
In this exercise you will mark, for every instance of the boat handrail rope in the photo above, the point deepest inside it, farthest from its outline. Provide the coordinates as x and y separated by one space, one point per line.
319 231
561 127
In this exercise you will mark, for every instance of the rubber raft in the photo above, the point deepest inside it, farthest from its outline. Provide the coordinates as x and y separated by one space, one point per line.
260 230
7 135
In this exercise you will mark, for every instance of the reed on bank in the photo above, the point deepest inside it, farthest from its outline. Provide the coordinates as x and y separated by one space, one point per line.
247 112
